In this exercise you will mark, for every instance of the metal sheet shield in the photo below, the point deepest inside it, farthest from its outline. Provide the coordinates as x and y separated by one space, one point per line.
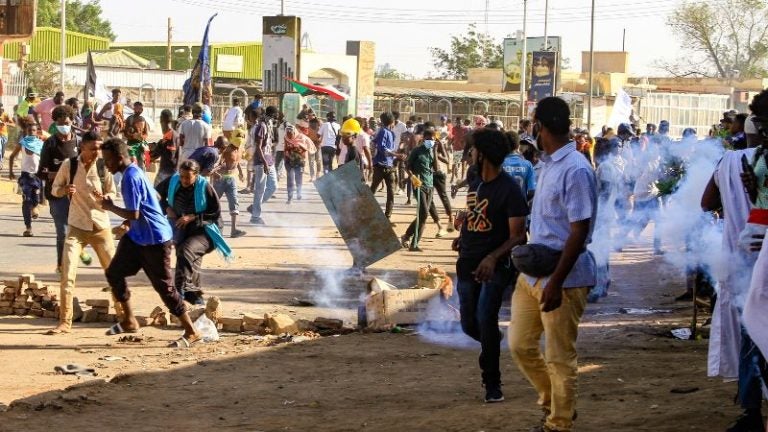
357 215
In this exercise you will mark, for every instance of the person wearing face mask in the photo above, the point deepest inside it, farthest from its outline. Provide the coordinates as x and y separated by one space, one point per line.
421 166
56 149
384 160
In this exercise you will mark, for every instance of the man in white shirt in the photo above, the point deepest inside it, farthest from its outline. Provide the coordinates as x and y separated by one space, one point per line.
194 133
280 145
329 132
233 119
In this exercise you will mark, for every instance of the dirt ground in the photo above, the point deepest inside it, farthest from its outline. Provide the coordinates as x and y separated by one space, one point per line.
633 375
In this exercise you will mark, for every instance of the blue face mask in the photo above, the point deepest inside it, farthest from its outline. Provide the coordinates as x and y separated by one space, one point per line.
64 130
429 144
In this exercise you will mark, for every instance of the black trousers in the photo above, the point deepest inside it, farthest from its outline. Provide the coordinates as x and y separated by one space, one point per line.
328 155
424 202
389 176
439 180
189 261
155 260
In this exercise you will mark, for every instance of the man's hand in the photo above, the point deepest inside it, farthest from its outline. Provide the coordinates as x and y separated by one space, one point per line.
415 181
750 181
184 221
757 245
484 271
107 204
551 297
71 189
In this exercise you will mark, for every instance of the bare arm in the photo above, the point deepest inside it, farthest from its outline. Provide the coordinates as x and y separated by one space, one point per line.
10 161
484 271
710 199
110 206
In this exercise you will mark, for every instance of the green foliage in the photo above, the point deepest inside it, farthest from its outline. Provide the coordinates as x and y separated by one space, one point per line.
82 16
729 39
386 71
43 77
473 49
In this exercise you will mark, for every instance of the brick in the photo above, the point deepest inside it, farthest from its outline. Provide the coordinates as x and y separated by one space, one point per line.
27 278
280 323
145 321
6 311
50 314
10 290
306 325
157 311
89 316
101 310
20 311
29 291
97 303
36 312
232 325
12 283
5 303
107 317
251 323
195 314
161 320
40 292
328 323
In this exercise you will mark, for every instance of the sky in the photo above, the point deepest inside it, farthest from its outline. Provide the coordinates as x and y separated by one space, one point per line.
404 30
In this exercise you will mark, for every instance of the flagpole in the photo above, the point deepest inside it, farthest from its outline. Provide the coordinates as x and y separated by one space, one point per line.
63 42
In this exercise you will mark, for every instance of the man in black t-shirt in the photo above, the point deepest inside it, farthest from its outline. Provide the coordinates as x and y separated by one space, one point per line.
56 149
495 223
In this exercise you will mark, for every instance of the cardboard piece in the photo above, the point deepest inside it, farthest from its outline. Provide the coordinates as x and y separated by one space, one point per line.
357 215
392 307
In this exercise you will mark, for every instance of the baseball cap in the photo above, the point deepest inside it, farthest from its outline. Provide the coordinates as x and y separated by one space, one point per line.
625 128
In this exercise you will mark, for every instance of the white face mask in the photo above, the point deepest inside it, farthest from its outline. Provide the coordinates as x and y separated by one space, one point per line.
410 129
429 144
64 129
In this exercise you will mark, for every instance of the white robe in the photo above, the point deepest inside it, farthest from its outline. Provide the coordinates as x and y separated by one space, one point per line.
725 335
756 308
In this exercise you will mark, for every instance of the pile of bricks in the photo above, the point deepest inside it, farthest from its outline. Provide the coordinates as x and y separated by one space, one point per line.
99 312
25 296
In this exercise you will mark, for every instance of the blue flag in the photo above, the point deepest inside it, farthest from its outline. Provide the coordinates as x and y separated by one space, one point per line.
200 79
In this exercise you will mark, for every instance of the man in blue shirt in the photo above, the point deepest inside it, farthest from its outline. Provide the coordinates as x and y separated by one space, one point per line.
384 160
146 246
562 218
518 167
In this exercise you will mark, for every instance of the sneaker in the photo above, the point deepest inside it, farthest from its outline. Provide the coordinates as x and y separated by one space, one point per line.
493 394
237 233
415 249
245 191
194 298
405 242
288 202
442 233
86 258
298 197
258 221
749 421
28 233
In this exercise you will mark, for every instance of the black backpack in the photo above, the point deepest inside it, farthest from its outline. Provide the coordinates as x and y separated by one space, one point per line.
101 169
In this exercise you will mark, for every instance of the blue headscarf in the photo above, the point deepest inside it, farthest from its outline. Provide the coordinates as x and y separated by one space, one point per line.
32 143
201 203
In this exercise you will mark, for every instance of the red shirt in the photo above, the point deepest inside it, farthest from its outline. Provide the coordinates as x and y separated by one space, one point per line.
459 136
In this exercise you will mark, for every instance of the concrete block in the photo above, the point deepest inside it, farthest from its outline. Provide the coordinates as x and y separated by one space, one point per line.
36 312
232 325
50 314
6 311
20 311
328 323
90 316
98 303
12 283
280 323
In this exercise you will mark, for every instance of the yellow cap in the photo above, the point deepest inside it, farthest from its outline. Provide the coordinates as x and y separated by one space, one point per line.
351 127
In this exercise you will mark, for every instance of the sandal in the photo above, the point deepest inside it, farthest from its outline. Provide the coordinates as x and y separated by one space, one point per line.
57 331
118 329
183 342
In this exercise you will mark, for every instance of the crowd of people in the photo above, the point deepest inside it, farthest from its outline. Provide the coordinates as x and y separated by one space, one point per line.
546 204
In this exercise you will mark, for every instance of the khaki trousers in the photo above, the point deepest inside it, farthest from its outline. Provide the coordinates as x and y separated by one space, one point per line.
102 243
554 373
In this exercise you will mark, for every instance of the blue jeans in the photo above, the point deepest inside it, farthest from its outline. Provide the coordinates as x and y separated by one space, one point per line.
59 208
328 154
750 377
3 142
264 186
295 176
479 304
227 185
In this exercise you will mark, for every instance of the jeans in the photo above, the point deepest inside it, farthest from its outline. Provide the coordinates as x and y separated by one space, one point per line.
227 185
59 208
3 143
328 155
155 260
440 179
264 186
316 164
751 362
479 304
389 176
553 374
424 197
30 190
295 177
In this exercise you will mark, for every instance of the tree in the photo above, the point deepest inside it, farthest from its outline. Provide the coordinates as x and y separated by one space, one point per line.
727 39
84 17
386 71
43 77
474 49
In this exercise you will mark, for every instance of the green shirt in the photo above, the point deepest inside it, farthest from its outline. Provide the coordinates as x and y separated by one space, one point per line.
420 163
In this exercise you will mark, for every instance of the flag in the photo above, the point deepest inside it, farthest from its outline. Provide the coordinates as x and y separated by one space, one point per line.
90 78
199 81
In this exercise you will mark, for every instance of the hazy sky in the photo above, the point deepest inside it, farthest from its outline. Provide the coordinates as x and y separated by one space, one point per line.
405 30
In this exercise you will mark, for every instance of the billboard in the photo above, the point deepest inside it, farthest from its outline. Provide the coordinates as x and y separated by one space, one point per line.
281 45
513 54
543 76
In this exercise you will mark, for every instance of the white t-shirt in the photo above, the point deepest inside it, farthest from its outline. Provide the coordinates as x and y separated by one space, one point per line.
399 129
280 146
232 119
30 162
196 134
328 132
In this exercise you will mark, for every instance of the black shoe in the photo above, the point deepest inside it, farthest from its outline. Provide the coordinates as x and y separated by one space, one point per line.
493 394
749 421
194 298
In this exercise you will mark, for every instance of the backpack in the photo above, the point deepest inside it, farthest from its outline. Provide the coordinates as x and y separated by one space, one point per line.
338 138
101 169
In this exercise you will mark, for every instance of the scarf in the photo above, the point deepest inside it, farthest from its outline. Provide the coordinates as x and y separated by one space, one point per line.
201 203
32 143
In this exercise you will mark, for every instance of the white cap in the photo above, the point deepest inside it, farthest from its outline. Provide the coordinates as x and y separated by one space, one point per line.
749 126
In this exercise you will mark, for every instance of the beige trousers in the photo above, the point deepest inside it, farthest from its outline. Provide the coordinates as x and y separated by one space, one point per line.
554 373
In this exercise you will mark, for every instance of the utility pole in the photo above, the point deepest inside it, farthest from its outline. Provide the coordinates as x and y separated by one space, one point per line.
546 21
168 52
487 5
282 7
591 67
524 62
623 40
63 42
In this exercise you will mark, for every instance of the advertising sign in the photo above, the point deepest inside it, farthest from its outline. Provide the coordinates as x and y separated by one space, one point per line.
544 76
513 54
281 41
